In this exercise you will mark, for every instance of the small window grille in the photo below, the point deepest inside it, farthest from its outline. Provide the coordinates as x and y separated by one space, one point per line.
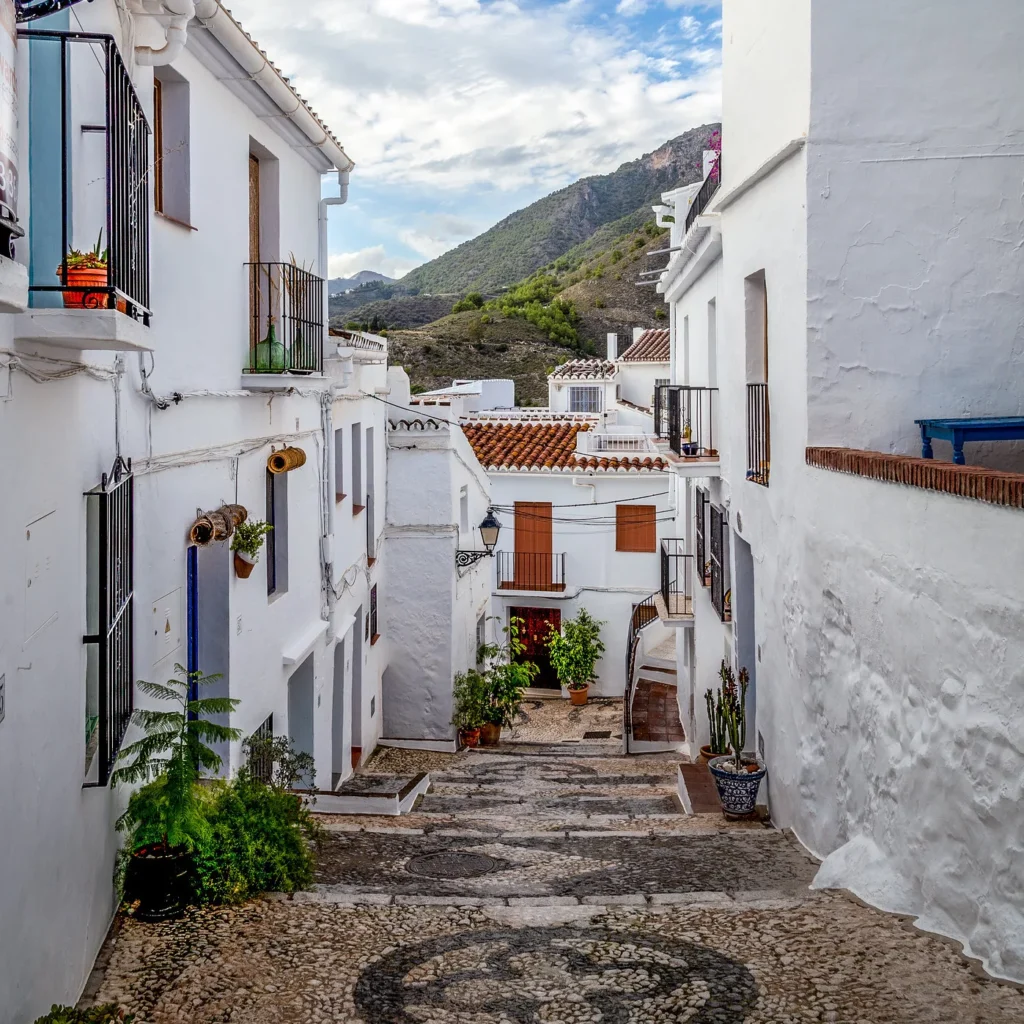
111 585
585 400
261 761
374 632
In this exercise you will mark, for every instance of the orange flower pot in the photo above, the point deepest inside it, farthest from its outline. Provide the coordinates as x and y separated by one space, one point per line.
577 698
92 285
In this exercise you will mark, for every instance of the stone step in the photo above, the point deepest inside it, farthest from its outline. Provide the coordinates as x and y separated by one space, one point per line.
547 806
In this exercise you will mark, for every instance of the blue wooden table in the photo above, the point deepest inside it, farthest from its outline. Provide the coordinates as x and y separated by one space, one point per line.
957 431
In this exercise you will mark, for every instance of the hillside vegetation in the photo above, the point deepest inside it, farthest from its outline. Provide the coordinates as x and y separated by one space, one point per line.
563 311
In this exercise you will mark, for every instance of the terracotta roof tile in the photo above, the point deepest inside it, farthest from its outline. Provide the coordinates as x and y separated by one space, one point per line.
526 446
654 346
584 369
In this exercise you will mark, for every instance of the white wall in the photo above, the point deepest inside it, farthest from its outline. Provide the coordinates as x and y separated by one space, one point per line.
913 218
432 612
604 581
636 381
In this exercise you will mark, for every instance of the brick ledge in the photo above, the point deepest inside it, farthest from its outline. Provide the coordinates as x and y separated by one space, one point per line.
991 485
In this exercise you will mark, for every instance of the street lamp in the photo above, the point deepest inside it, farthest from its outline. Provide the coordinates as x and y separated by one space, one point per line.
489 530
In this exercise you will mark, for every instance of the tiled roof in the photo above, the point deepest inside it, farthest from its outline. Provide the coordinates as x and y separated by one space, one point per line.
551 446
584 369
652 346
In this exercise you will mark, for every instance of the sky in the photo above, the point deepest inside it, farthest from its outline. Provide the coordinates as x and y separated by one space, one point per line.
458 112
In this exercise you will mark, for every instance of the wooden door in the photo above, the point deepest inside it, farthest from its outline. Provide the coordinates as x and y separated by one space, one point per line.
534 629
533 545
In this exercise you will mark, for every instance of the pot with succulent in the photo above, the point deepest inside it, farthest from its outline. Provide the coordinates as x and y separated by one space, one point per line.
737 777
246 543
471 701
575 651
85 276
508 677
165 819
716 705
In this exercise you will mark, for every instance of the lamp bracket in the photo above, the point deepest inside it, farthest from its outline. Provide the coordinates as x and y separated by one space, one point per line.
465 560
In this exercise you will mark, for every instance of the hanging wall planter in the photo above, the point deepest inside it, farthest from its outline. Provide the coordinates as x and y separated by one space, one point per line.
246 544
244 565
286 460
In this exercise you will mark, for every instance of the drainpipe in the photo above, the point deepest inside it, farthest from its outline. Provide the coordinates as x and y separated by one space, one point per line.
340 199
577 482
181 13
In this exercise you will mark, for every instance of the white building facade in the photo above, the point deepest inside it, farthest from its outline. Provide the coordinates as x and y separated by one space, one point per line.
856 268
143 405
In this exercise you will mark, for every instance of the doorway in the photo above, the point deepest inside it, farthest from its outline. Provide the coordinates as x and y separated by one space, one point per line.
535 626
339 718
300 707
356 712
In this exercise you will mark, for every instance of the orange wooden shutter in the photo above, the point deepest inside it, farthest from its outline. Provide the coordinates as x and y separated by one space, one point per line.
636 528
532 544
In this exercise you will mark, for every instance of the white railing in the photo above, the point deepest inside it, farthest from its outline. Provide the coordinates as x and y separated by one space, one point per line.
592 442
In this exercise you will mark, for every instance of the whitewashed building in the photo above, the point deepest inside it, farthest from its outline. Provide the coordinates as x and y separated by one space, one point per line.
856 268
437 616
138 402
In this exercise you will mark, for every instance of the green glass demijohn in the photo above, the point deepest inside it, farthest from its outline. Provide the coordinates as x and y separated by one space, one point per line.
270 354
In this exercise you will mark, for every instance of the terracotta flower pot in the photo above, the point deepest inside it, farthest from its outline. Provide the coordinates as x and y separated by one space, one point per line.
470 737
490 735
578 697
244 565
87 289
707 753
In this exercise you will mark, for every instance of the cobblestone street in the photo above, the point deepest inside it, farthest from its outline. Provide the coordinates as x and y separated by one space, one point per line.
556 883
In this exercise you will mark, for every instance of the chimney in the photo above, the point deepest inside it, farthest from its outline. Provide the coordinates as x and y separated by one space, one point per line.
709 158
638 333
613 347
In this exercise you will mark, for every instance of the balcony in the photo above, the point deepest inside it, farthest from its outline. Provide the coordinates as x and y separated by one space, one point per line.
685 417
89 286
590 442
706 193
759 441
286 325
537 572
675 599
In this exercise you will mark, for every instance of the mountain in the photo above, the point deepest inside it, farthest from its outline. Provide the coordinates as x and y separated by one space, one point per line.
533 237
338 285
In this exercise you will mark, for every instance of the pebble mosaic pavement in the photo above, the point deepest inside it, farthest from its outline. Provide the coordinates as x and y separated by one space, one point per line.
602 906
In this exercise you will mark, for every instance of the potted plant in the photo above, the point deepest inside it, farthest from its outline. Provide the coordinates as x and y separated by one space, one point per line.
246 543
575 651
716 705
86 276
507 679
165 820
737 777
470 694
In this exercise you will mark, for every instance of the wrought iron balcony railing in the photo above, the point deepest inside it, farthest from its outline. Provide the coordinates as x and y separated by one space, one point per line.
286 319
527 570
707 191
676 574
686 417
90 242
759 441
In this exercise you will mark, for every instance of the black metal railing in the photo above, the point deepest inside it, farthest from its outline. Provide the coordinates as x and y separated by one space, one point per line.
701 530
759 440
721 592
286 319
642 616
528 570
111 616
686 417
261 758
707 190
676 573
94 237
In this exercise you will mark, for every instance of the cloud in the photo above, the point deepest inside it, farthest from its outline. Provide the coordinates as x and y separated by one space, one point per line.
456 95
374 257
629 7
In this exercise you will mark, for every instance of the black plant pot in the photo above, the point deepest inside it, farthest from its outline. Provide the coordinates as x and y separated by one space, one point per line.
158 879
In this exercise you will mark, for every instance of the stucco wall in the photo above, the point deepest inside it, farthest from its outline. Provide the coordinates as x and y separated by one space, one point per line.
636 381
914 220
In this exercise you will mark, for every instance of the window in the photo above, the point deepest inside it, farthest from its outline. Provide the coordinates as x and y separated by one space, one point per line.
371 519
339 465
110 582
584 399
277 539
636 528
703 556
171 156
721 588
372 618
261 761
481 639
357 469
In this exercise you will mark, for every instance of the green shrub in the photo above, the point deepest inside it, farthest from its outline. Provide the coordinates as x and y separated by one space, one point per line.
474 300
659 313
108 1014
261 840
599 303
616 255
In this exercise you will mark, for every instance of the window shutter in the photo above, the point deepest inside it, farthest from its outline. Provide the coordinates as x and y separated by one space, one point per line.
636 528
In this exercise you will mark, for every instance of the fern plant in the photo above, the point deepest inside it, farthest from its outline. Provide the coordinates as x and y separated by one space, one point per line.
167 761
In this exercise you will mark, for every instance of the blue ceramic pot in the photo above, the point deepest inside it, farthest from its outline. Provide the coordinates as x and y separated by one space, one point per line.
738 792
